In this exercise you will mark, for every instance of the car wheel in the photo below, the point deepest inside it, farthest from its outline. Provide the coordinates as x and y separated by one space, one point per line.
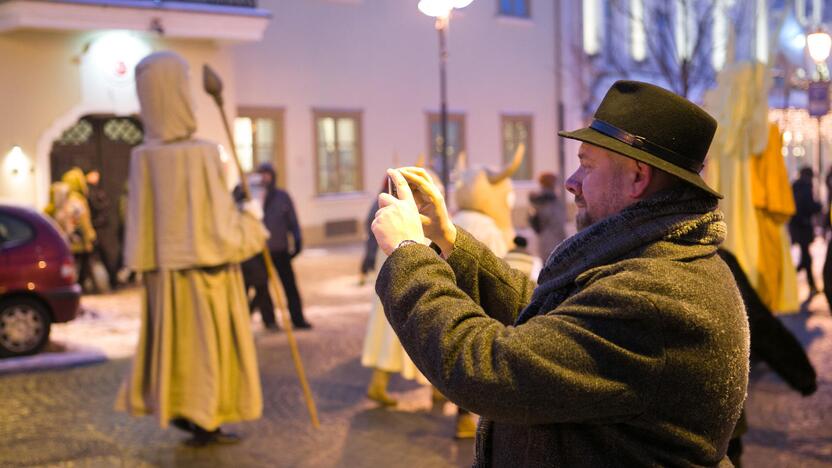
24 326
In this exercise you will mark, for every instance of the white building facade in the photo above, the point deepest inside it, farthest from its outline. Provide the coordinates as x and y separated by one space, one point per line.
347 88
332 92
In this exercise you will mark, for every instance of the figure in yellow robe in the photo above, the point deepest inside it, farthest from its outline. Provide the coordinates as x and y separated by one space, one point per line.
196 363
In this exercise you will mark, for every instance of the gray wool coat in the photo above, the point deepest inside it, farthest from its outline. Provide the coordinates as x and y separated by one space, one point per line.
635 366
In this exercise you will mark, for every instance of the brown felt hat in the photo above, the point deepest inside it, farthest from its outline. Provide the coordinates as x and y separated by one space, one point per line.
653 125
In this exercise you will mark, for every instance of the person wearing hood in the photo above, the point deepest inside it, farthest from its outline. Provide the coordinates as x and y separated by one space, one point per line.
82 235
195 365
280 219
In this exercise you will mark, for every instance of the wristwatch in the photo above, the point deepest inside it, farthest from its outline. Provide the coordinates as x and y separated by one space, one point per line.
406 242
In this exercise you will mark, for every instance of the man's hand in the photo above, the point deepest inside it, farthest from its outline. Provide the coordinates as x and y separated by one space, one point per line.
397 218
434 213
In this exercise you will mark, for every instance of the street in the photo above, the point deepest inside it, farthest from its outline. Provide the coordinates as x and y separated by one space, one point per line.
64 417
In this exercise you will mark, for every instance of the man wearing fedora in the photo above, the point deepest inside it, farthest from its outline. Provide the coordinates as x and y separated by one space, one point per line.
633 349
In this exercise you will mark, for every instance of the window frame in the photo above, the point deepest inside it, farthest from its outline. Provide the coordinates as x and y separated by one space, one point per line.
356 115
459 118
528 158
278 115
511 15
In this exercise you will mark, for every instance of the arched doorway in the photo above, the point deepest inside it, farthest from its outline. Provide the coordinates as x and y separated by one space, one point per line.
102 142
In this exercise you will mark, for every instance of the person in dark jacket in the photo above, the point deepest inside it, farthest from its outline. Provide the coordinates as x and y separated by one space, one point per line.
100 212
801 226
634 348
280 219
548 216
772 343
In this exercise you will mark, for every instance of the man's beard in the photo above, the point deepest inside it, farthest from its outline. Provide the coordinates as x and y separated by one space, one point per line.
582 217
583 220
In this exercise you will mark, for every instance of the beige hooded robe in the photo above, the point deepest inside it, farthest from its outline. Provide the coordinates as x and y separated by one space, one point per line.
196 357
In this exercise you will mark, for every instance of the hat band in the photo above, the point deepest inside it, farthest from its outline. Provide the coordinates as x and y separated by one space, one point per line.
646 145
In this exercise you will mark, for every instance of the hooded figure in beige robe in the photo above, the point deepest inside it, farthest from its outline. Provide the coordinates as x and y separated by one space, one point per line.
196 364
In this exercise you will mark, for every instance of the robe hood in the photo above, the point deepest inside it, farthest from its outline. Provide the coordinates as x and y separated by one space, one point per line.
165 97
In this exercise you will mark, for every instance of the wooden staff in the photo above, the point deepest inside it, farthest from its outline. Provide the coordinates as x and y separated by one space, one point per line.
212 84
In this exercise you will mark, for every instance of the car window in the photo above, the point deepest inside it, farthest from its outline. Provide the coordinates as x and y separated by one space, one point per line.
14 231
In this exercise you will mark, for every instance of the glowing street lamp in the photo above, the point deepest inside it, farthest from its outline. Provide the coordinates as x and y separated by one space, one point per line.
819 44
441 10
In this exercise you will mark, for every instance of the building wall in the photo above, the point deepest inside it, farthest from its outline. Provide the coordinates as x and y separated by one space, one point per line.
381 57
49 79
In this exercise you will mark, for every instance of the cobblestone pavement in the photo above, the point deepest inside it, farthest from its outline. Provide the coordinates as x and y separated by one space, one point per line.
64 418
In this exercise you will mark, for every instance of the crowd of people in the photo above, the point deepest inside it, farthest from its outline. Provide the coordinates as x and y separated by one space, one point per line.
584 352
80 208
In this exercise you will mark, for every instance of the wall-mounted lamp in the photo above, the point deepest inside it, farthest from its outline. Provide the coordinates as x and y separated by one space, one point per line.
17 163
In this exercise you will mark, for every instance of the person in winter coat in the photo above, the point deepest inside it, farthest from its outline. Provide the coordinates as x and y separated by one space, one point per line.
82 235
195 365
548 216
280 219
99 203
634 348
801 226
772 343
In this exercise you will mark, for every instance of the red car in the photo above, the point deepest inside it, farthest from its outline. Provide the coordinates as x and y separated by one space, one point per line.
38 284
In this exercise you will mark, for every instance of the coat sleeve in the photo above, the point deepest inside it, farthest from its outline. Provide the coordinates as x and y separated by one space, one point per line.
488 280
596 358
292 221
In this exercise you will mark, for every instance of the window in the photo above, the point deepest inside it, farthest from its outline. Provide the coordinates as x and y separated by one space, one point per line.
338 150
685 29
518 129
719 32
516 8
638 35
258 136
456 140
592 11
14 231
761 46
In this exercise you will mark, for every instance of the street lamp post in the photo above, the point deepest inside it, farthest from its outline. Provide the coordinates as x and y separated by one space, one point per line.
819 44
441 10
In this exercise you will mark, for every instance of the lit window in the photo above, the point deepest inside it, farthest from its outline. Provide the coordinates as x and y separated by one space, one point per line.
518 129
719 34
338 149
517 8
685 29
258 137
592 26
456 139
243 139
638 36
761 53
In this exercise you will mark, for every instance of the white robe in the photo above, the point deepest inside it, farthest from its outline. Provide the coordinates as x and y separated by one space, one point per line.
382 349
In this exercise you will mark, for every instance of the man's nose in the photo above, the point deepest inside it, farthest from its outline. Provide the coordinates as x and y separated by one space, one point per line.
572 184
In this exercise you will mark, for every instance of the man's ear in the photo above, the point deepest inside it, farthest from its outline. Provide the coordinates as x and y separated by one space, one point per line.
642 177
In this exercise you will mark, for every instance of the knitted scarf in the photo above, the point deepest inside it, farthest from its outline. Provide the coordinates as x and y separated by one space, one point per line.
682 214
